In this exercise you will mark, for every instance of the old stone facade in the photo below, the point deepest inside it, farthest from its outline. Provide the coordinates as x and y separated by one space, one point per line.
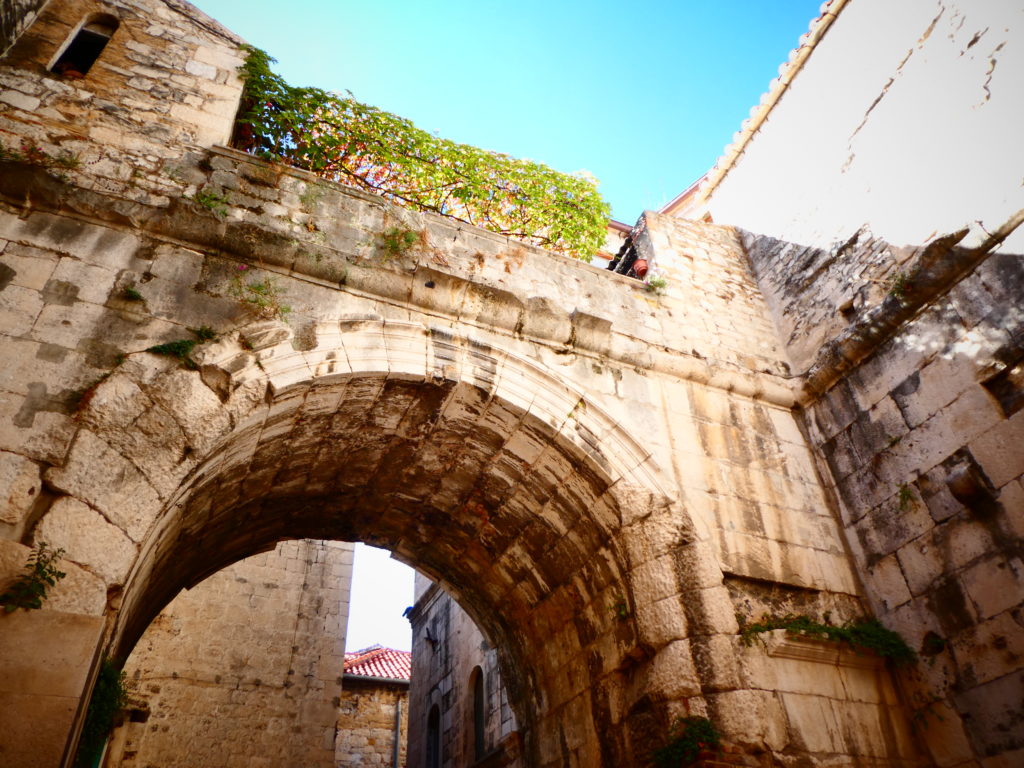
373 716
459 711
605 478
243 669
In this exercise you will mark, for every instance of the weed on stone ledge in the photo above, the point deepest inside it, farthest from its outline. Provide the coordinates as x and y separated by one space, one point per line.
397 241
182 348
859 634
212 201
264 296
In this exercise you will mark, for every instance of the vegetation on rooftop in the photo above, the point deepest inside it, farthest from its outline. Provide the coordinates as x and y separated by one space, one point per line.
341 139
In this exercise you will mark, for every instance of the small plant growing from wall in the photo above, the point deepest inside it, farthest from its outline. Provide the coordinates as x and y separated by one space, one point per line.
30 589
860 634
182 348
655 283
905 496
397 242
264 296
689 737
897 285
212 201
620 608
108 696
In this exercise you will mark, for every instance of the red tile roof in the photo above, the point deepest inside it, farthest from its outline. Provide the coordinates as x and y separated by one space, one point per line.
377 661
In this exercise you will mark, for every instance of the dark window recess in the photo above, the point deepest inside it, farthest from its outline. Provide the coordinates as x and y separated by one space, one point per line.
478 713
85 48
1007 387
434 738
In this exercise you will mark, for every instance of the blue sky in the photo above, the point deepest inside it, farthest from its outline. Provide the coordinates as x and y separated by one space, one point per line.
644 95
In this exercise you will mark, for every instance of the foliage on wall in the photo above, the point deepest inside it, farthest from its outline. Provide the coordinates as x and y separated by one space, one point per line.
339 138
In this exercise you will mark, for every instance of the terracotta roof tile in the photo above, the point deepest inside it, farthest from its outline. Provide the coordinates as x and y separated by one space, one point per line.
377 661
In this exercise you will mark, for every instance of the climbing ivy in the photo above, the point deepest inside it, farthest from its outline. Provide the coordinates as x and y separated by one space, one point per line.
339 138
861 634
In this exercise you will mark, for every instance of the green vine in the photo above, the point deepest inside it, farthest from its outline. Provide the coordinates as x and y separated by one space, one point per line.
690 736
108 696
341 139
860 634
29 590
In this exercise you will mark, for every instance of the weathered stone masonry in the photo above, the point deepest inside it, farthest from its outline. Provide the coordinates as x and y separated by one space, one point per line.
603 477
230 672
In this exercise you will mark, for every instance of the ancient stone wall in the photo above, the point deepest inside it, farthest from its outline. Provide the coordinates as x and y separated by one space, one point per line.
244 669
447 648
888 249
924 442
15 17
366 724
602 475
166 80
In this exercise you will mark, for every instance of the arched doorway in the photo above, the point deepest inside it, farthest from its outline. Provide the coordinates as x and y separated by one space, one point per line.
479 469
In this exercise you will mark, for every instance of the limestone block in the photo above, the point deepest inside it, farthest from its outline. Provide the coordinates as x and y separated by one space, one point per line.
19 308
194 407
995 584
887 581
88 539
32 267
93 283
995 709
37 433
1000 451
20 482
125 498
921 562
67 325
753 719
944 737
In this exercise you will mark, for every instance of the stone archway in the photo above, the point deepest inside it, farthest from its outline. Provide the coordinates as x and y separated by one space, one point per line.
546 520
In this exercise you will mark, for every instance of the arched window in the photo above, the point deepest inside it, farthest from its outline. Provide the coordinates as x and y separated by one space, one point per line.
434 738
85 46
476 680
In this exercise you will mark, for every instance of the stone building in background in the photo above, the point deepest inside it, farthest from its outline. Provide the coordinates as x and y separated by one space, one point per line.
820 412
244 668
373 716
459 711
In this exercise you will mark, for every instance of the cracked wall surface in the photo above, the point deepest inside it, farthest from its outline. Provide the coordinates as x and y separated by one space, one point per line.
904 120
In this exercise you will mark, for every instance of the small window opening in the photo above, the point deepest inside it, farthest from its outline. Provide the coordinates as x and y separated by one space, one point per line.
85 47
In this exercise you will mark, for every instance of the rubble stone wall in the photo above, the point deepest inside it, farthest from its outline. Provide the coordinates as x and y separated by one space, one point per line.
243 669
366 724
